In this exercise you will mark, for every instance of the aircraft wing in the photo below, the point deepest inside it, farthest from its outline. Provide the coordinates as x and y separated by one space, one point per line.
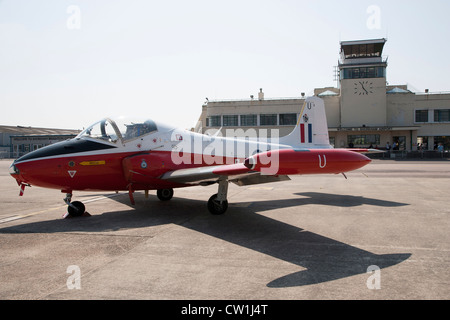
237 173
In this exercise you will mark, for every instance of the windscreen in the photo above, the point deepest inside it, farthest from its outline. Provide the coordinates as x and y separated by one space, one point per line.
104 129
122 129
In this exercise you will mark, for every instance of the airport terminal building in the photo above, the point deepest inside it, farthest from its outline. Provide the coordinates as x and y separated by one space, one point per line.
362 111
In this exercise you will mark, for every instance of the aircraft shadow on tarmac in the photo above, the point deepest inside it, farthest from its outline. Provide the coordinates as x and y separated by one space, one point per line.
346 200
324 259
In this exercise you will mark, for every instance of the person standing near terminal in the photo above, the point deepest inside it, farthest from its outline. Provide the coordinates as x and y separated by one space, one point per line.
388 148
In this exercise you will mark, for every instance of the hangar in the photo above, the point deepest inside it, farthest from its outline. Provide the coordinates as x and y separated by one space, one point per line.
16 141
362 111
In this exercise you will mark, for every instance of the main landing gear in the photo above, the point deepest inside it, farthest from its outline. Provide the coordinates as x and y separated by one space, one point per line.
164 194
76 208
218 203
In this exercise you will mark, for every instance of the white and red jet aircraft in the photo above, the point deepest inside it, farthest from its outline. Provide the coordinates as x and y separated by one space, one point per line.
152 156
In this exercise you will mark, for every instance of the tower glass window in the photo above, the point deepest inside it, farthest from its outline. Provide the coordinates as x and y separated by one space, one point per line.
363 73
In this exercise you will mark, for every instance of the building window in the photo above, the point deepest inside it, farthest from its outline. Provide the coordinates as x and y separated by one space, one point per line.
364 140
422 143
421 116
442 115
249 120
442 143
363 50
399 143
363 73
288 119
215 121
230 120
268 119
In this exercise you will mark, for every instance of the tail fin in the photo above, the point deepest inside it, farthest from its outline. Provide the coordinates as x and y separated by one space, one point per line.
311 130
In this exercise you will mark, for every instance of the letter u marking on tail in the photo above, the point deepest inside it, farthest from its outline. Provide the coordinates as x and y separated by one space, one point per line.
324 164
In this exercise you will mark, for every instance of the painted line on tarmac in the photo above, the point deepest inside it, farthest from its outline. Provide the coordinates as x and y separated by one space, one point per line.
21 216
17 217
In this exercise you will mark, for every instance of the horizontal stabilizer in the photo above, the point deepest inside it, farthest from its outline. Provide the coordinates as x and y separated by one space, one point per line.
366 151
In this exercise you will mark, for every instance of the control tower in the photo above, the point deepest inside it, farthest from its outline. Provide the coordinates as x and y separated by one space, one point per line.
362 72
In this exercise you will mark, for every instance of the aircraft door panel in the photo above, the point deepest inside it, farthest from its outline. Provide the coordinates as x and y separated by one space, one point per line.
144 167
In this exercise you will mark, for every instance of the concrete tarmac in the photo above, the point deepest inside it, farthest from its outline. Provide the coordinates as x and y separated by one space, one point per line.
383 233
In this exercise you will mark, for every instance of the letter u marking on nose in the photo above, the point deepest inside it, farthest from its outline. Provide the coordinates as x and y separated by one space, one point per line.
324 164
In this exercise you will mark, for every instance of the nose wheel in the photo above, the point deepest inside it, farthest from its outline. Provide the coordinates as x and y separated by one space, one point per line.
75 208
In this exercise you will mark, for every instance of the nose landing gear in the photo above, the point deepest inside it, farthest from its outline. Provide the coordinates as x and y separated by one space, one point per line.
75 209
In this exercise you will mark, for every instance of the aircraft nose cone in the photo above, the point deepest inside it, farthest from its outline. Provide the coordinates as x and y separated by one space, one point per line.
16 174
13 170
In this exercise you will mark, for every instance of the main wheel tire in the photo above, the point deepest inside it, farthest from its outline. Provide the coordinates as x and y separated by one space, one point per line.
216 207
76 209
164 194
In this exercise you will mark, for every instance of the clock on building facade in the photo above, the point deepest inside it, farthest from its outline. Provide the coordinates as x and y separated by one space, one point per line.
363 88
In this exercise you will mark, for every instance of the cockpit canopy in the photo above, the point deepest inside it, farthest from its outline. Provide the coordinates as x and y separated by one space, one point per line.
136 130
110 131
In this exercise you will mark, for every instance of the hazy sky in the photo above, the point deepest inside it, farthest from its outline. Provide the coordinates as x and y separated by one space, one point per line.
67 64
